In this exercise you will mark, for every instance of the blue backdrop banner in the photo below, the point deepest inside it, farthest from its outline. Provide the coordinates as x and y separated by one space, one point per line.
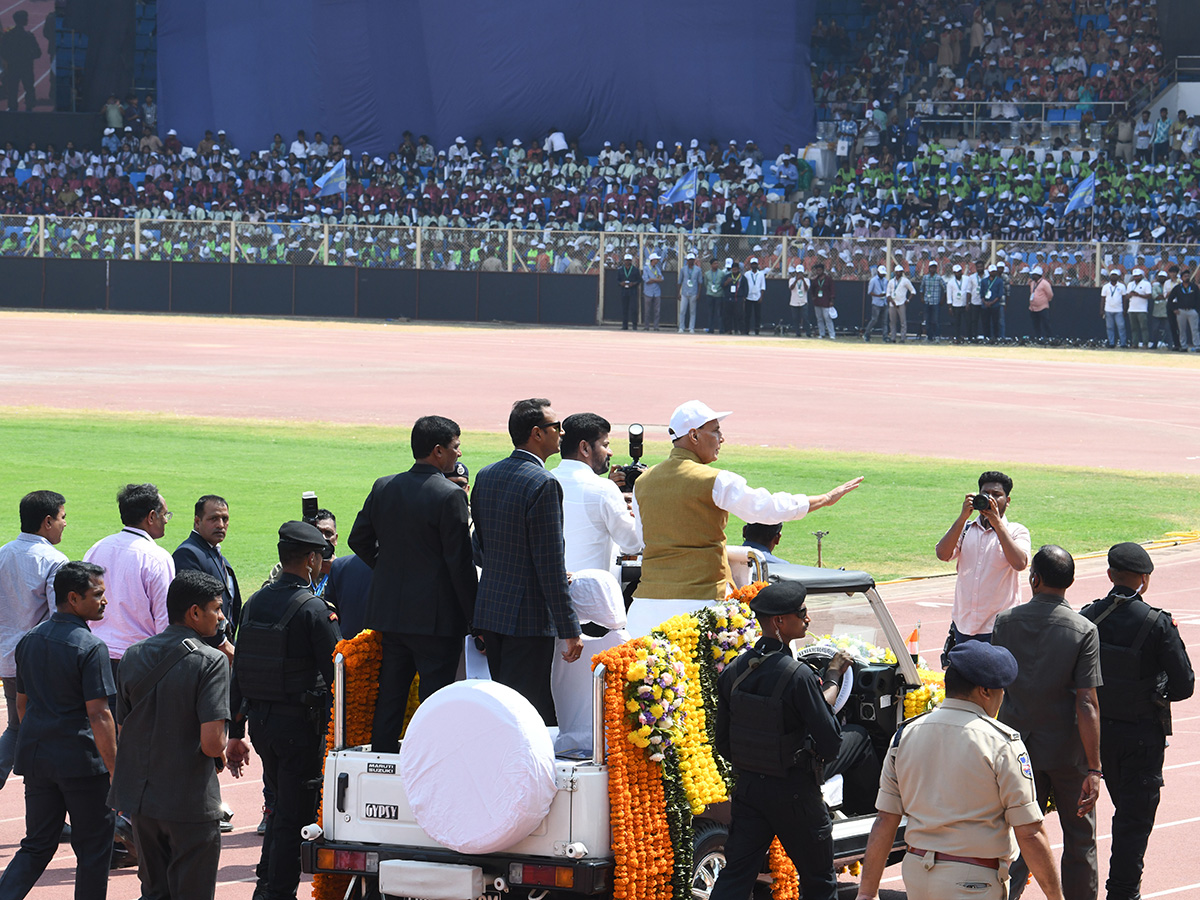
367 70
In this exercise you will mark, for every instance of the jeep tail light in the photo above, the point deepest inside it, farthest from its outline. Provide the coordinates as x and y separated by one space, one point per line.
547 876
329 860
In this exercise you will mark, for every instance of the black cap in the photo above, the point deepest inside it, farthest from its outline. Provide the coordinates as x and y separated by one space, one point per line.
460 470
1130 557
779 599
983 664
301 534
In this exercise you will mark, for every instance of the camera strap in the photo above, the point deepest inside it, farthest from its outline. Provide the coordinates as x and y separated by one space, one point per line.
150 680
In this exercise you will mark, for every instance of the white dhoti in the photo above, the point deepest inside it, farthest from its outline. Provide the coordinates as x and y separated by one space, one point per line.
645 615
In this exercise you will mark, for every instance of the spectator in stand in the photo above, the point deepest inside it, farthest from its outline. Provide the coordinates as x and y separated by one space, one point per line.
1161 148
1143 137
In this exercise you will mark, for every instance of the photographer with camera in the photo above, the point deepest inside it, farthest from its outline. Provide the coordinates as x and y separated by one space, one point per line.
990 551
595 515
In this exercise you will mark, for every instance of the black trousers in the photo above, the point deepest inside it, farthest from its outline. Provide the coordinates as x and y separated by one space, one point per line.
523 664
433 657
788 808
1041 323
291 750
177 860
629 308
859 765
1078 869
47 803
733 317
1131 754
754 316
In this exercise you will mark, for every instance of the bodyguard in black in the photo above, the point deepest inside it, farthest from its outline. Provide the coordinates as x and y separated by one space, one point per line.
67 746
1146 668
414 531
629 277
776 728
282 674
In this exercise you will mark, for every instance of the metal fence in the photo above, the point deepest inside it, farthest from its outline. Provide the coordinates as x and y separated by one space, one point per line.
556 252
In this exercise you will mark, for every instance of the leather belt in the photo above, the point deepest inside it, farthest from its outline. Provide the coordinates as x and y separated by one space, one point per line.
969 860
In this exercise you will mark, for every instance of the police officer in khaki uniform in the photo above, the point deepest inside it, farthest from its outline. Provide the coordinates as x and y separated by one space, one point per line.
775 725
1146 668
965 783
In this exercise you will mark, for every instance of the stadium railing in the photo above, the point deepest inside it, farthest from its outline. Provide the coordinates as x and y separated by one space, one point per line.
556 252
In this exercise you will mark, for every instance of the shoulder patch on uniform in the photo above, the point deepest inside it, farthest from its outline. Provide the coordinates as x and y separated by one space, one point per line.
333 617
1026 768
1008 733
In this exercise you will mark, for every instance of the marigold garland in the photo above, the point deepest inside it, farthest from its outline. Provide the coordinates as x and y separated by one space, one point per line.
785 880
641 835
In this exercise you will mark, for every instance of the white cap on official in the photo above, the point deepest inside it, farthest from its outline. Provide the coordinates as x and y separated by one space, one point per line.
692 414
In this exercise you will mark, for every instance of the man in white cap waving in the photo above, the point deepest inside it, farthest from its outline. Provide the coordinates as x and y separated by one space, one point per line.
681 507
652 278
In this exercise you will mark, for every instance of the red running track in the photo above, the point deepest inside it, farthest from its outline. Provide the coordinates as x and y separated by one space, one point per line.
1129 411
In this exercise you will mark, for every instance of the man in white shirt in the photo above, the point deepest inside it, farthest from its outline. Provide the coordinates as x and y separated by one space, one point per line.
299 148
899 291
756 284
681 507
989 551
1112 309
137 571
973 298
1139 292
596 519
956 301
27 568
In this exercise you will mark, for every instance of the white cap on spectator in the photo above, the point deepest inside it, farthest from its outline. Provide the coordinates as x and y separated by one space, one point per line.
171 131
629 256
1036 270
1138 272
1059 271
516 142
956 268
882 270
899 268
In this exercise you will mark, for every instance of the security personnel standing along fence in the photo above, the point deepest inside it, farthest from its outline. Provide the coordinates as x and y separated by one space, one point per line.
776 728
1146 668
964 781
282 674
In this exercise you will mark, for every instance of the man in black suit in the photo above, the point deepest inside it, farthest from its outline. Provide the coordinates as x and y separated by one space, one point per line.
413 531
201 551
524 600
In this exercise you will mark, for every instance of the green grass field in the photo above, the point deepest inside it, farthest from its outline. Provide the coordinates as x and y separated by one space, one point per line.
888 527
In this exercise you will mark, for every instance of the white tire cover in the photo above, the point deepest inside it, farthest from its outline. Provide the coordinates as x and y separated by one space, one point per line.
477 765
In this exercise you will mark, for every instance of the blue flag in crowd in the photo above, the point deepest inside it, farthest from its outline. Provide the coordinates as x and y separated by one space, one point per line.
685 189
1083 195
333 181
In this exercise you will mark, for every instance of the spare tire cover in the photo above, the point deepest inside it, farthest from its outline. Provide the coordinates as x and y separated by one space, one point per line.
478 768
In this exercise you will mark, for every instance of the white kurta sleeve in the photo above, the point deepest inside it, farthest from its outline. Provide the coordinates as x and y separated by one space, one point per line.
732 494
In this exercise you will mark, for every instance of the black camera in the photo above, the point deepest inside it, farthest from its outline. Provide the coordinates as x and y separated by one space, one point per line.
982 502
634 469
309 506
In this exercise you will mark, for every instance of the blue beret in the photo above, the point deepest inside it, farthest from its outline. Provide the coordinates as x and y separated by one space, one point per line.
983 664
779 599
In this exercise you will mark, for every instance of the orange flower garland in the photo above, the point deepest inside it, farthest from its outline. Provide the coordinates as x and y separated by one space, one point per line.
363 654
785 880
641 839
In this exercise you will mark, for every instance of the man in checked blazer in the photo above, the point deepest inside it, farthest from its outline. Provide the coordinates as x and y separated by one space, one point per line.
524 601
413 531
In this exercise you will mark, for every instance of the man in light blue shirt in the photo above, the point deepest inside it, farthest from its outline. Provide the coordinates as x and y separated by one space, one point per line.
877 291
27 568
690 277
